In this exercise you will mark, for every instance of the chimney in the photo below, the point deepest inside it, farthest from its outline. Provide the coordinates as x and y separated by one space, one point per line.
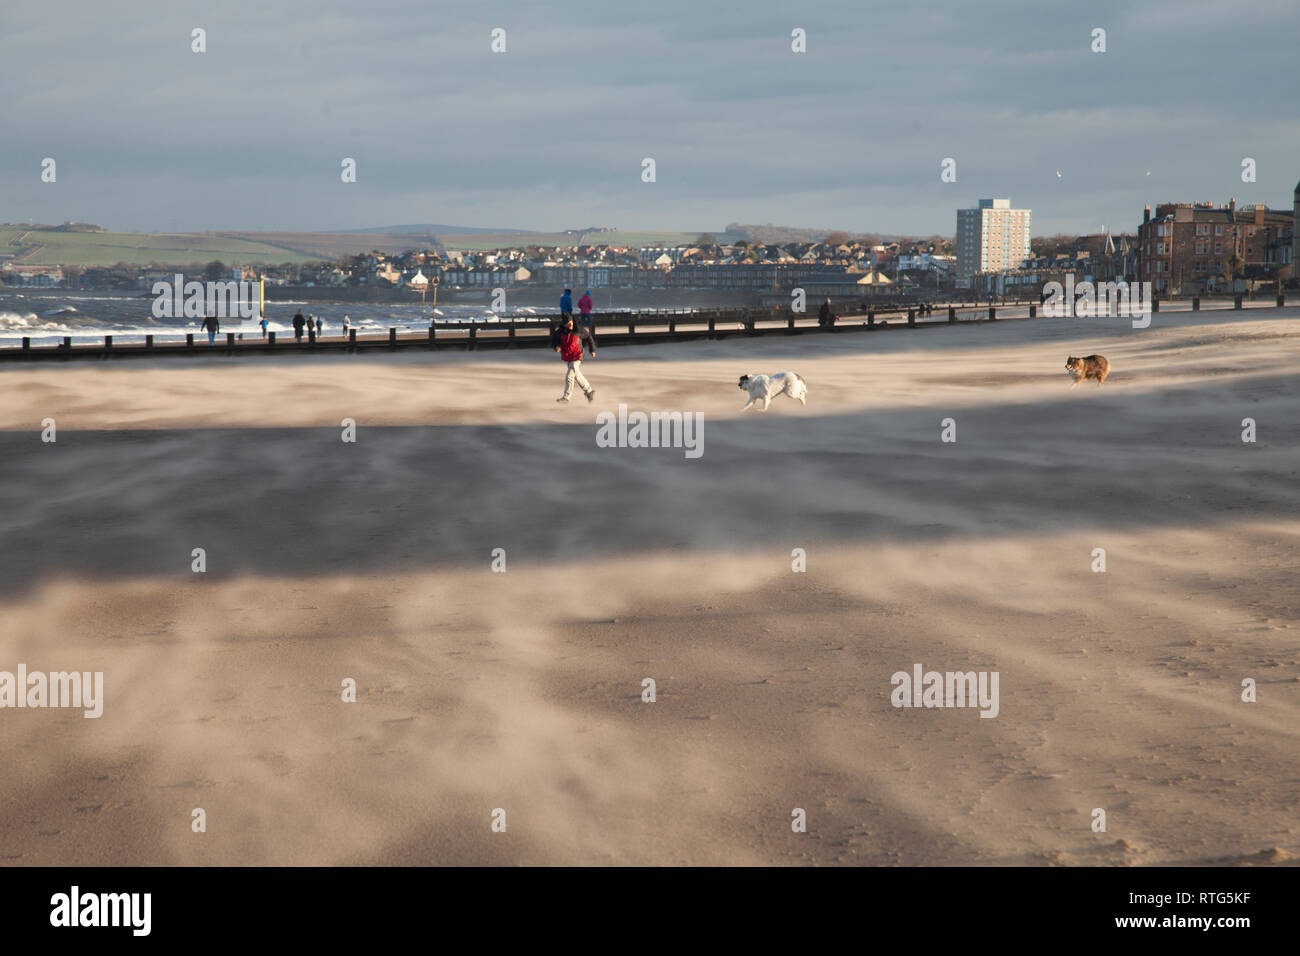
1232 203
1146 215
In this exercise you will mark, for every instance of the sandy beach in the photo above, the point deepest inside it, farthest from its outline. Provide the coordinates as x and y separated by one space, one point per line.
522 691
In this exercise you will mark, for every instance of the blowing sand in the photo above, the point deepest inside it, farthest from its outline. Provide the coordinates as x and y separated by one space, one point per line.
523 690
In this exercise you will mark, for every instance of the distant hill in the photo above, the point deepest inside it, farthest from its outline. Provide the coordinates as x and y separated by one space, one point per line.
478 241
771 233
81 244
776 235
330 246
419 229
480 237
64 246
627 238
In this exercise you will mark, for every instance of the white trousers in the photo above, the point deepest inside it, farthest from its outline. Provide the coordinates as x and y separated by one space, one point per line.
574 374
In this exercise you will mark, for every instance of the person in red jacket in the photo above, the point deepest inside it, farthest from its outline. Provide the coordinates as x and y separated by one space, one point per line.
569 342
584 308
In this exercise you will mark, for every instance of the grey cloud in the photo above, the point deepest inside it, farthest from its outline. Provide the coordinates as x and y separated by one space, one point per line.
550 135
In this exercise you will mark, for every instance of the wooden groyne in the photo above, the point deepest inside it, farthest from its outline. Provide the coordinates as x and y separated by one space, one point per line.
526 331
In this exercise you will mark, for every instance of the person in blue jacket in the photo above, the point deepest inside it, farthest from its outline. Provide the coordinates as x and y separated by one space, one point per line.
566 305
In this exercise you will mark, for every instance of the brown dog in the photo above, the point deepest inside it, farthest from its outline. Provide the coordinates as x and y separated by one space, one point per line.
1090 366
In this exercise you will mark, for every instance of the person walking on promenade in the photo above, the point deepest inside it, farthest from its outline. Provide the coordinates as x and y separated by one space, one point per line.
264 324
213 326
569 342
584 317
566 305
824 317
345 326
319 325
298 323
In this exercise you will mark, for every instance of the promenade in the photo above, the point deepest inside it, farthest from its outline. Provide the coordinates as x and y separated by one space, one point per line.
613 328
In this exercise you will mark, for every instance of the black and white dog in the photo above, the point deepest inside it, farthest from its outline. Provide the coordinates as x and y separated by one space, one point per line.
766 387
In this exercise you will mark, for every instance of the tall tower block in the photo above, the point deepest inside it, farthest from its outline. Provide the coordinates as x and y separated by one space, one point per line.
1295 233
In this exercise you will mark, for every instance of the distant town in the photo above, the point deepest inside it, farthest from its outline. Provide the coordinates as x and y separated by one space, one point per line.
1183 248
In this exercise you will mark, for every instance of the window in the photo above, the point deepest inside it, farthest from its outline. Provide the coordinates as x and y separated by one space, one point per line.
1218 230
1218 248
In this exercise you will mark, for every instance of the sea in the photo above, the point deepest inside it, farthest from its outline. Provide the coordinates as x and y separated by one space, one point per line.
46 316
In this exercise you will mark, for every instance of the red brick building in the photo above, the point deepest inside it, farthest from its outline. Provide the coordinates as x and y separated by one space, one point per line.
1188 248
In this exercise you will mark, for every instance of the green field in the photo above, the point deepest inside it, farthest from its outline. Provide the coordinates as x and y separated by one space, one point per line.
45 247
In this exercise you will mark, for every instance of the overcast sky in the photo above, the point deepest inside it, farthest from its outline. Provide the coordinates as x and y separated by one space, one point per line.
551 134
